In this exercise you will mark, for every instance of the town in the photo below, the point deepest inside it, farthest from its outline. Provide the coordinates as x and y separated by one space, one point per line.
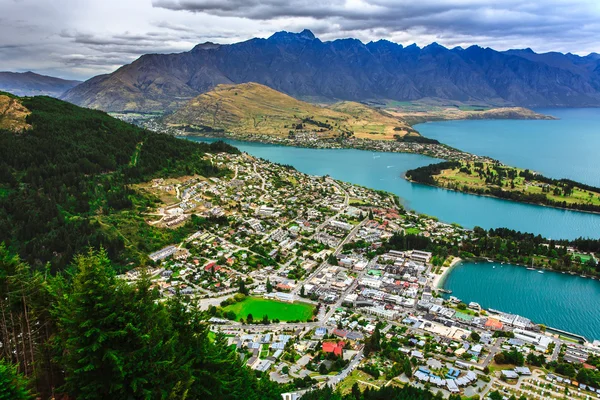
297 272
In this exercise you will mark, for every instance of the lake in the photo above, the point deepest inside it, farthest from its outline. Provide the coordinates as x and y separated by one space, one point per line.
558 300
384 171
565 148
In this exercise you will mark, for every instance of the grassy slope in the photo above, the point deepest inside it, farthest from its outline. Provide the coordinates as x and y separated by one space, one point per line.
257 109
259 307
473 181
12 113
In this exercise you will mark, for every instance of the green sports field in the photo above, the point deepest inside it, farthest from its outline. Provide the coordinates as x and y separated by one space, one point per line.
259 307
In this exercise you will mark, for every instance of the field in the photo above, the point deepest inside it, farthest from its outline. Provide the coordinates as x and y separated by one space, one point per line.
259 307
583 257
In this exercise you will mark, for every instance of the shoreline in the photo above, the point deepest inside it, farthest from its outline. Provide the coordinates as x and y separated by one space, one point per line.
438 280
444 152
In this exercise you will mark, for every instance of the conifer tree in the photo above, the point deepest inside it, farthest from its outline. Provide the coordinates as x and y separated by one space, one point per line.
12 385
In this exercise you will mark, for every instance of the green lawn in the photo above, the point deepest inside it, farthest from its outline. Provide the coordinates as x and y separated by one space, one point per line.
412 231
584 257
259 307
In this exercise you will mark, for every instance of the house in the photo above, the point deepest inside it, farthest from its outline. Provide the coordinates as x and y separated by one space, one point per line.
335 348
509 374
493 324
320 332
523 371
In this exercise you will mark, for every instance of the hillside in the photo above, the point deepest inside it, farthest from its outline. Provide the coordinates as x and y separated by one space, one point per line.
419 113
32 84
12 114
257 109
301 65
65 183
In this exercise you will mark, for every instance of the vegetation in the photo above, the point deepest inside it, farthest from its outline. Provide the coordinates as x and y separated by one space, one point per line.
87 335
66 183
495 179
274 310
13 386
384 393
251 108
505 245
513 357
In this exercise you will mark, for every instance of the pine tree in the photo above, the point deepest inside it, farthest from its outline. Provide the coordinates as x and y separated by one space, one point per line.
115 340
269 286
12 385
243 290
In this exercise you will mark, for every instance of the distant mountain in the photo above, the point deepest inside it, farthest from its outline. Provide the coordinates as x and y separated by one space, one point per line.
252 108
32 84
303 66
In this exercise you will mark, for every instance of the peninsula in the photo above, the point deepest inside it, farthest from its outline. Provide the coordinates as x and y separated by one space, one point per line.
498 180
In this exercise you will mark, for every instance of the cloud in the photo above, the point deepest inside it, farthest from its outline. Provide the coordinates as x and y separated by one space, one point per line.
82 38
453 21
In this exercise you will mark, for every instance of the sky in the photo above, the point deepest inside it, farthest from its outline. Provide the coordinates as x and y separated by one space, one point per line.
78 39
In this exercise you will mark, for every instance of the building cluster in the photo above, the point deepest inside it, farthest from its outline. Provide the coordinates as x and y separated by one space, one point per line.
288 237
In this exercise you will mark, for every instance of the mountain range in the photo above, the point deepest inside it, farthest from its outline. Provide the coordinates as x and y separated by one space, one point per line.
32 84
301 65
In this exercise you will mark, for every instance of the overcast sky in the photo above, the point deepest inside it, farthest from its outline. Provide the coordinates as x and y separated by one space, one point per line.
82 38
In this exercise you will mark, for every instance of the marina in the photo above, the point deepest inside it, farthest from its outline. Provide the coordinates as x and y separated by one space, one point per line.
562 301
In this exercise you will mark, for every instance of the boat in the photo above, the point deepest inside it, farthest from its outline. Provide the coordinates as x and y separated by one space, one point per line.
541 272
531 269
493 267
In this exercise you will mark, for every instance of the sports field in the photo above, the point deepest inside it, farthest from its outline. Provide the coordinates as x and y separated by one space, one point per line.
260 307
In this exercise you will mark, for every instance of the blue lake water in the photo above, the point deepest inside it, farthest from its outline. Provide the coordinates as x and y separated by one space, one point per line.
384 171
558 300
564 148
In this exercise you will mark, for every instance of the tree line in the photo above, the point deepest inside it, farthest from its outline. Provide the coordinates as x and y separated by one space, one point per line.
503 244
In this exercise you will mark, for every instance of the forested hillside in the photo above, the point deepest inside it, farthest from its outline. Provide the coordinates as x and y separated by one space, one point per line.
65 183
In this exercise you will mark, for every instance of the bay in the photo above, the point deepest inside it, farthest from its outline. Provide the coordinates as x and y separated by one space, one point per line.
384 171
562 301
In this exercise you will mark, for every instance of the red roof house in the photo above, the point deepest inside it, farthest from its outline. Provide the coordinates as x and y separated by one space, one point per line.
335 348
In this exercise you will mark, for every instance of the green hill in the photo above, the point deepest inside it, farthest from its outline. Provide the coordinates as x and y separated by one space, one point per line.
251 108
65 182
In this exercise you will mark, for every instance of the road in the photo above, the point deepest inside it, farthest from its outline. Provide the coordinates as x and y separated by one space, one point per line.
334 380
495 348
335 252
